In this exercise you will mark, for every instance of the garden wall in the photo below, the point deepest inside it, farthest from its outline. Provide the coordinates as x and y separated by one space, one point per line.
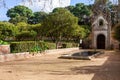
4 49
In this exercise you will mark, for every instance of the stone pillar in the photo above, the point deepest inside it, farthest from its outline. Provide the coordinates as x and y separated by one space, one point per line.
4 49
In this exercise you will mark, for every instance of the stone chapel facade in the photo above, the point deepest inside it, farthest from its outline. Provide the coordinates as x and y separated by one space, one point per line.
101 33
101 27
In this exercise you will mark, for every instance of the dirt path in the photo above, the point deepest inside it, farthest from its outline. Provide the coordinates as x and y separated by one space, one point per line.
49 67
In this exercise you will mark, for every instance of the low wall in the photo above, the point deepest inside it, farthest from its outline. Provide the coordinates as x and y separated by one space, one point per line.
17 56
24 55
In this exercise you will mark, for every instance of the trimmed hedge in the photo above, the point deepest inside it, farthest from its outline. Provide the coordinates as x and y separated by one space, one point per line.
29 46
36 46
71 44
50 45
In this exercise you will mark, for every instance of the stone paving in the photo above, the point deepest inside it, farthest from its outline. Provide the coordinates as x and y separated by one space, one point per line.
49 67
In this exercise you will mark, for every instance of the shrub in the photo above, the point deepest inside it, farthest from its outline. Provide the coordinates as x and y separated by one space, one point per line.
3 42
116 33
30 46
26 35
36 46
71 44
50 45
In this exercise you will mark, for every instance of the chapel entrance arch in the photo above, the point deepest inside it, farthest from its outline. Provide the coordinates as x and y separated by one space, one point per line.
101 41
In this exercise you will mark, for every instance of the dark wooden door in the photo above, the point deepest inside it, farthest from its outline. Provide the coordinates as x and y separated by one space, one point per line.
100 42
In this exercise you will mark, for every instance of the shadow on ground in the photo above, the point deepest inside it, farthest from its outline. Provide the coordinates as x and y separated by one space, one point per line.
110 70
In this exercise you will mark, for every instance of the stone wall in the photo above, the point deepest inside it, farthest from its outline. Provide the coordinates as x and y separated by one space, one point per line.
4 49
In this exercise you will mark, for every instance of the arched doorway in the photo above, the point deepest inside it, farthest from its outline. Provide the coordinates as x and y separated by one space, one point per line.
101 41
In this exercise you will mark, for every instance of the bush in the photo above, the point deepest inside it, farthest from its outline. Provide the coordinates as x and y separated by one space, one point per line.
36 46
50 45
116 33
30 46
3 42
71 44
26 35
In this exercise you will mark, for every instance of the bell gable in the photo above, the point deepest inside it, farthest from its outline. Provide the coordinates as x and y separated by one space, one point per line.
100 23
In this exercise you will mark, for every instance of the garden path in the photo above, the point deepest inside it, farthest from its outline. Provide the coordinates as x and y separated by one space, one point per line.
49 67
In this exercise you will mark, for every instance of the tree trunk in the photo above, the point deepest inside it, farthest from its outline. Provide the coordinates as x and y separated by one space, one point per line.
57 44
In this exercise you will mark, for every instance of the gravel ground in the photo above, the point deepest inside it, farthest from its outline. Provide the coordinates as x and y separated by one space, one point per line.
49 67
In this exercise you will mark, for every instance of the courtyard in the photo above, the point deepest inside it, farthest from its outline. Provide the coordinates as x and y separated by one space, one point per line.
49 67
35 33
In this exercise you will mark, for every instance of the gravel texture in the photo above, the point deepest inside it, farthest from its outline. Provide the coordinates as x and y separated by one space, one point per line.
49 67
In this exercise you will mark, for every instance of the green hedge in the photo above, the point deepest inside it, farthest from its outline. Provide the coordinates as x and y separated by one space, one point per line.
50 45
30 46
35 46
71 44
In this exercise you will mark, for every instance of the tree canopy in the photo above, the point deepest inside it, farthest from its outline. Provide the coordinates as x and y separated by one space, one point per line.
116 33
59 23
81 11
37 17
25 32
7 30
19 14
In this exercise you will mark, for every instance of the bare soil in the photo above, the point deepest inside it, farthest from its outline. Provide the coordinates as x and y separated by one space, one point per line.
49 67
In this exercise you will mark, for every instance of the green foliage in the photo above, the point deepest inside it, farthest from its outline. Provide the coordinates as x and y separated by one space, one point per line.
37 17
37 29
70 8
50 45
7 30
59 23
36 49
36 46
71 44
18 19
22 26
86 31
116 34
19 11
3 42
79 32
28 46
26 35
25 32
19 14
81 11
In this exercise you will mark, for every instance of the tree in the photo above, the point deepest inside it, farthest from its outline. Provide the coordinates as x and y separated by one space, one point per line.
38 30
19 13
58 23
25 32
37 17
7 31
81 11
70 8
26 35
100 7
116 33
77 33
18 19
